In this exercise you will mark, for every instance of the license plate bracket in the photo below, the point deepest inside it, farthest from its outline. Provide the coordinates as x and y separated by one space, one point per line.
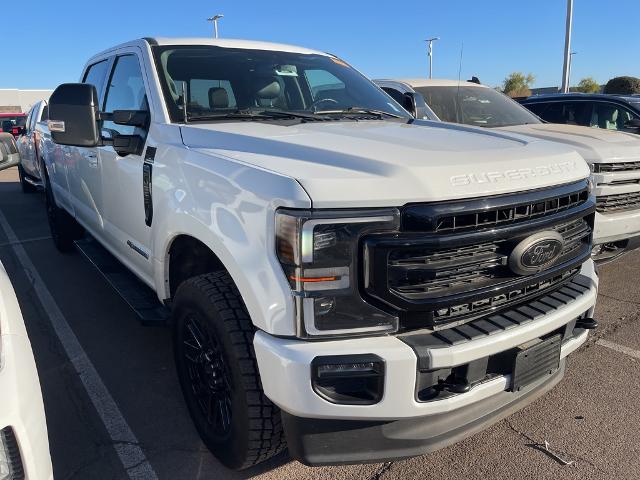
533 363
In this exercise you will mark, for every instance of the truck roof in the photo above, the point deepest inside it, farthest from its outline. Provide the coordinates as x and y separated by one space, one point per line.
218 42
435 82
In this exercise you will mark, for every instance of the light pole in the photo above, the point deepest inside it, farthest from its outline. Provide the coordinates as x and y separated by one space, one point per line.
570 63
215 19
567 48
430 53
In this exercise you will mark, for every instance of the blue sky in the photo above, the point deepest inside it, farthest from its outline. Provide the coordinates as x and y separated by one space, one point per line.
48 42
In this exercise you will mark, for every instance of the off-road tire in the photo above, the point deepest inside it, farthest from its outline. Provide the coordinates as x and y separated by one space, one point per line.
26 186
255 429
64 228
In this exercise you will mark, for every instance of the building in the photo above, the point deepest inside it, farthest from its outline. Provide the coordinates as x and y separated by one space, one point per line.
13 100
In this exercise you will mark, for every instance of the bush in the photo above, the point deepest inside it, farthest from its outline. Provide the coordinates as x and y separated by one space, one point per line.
587 85
623 85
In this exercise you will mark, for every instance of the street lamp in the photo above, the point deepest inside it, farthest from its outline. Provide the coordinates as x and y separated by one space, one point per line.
569 69
567 47
430 53
215 19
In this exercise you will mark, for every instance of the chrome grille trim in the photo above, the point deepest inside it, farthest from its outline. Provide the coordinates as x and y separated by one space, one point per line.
615 167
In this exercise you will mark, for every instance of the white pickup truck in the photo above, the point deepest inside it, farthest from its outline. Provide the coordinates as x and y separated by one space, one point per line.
335 275
614 157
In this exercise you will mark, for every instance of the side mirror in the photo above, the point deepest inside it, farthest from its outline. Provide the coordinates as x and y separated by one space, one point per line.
409 103
75 119
73 115
9 156
633 124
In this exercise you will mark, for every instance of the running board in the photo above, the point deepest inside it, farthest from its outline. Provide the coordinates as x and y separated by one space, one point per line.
138 296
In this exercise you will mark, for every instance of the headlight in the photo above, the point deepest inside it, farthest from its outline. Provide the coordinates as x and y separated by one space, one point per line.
319 253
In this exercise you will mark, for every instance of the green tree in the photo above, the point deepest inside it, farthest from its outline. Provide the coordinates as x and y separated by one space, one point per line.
623 85
517 84
587 85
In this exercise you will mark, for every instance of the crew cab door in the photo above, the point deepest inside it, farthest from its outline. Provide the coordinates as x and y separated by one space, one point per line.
83 169
26 141
126 228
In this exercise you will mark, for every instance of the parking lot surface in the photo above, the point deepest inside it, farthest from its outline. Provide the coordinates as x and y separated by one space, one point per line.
110 389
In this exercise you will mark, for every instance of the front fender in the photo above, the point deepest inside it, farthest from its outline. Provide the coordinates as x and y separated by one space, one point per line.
230 207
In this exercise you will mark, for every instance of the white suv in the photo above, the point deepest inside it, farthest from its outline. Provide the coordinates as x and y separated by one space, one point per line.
336 275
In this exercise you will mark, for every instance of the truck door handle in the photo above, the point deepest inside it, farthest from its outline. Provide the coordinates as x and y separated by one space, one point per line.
92 159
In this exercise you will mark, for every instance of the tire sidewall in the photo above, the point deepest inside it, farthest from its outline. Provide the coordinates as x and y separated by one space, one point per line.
231 450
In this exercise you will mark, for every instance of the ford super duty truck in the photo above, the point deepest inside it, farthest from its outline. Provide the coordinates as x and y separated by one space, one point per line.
614 157
335 275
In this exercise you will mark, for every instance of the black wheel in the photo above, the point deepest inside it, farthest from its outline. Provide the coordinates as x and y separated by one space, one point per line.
64 228
213 346
26 186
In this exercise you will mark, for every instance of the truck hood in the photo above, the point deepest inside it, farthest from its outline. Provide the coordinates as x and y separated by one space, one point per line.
387 163
594 144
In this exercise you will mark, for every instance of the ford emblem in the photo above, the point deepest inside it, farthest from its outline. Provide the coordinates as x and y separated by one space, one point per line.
535 253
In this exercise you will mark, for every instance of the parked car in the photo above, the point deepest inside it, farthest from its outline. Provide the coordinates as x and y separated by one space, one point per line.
9 156
30 147
12 123
24 444
614 157
609 112
365 287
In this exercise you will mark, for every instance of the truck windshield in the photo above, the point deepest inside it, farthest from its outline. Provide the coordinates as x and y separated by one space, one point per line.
224 83
478 106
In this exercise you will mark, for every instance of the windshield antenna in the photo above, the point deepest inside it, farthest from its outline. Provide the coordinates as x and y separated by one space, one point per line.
184 101
459 77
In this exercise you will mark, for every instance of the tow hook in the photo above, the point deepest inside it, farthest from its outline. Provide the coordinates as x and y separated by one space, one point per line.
455 385
587 323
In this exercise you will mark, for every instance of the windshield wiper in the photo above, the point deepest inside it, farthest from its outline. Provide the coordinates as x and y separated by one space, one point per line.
256 114
359 111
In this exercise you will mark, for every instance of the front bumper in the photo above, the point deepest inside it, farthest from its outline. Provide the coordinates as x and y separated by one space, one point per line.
615 227
21 406
285 370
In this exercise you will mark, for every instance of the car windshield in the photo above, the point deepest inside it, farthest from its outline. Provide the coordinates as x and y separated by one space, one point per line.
478 106
233 83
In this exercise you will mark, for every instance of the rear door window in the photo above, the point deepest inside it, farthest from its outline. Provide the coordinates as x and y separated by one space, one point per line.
609 116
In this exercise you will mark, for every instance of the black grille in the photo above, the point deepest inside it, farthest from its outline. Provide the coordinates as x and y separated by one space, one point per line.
16 469
429 271
432 277
619 202
616 167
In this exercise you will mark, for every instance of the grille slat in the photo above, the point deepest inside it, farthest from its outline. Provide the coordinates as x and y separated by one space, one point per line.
511 214
618 202
616 167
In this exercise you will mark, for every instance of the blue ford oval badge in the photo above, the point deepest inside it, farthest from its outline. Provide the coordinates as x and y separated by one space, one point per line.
535 253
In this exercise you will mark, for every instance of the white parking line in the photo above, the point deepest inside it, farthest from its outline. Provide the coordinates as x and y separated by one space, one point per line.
619 348
124 441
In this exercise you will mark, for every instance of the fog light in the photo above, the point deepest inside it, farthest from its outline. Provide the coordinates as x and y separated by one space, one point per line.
349 379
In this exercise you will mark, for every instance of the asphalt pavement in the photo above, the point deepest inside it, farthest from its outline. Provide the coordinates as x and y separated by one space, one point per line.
114 405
